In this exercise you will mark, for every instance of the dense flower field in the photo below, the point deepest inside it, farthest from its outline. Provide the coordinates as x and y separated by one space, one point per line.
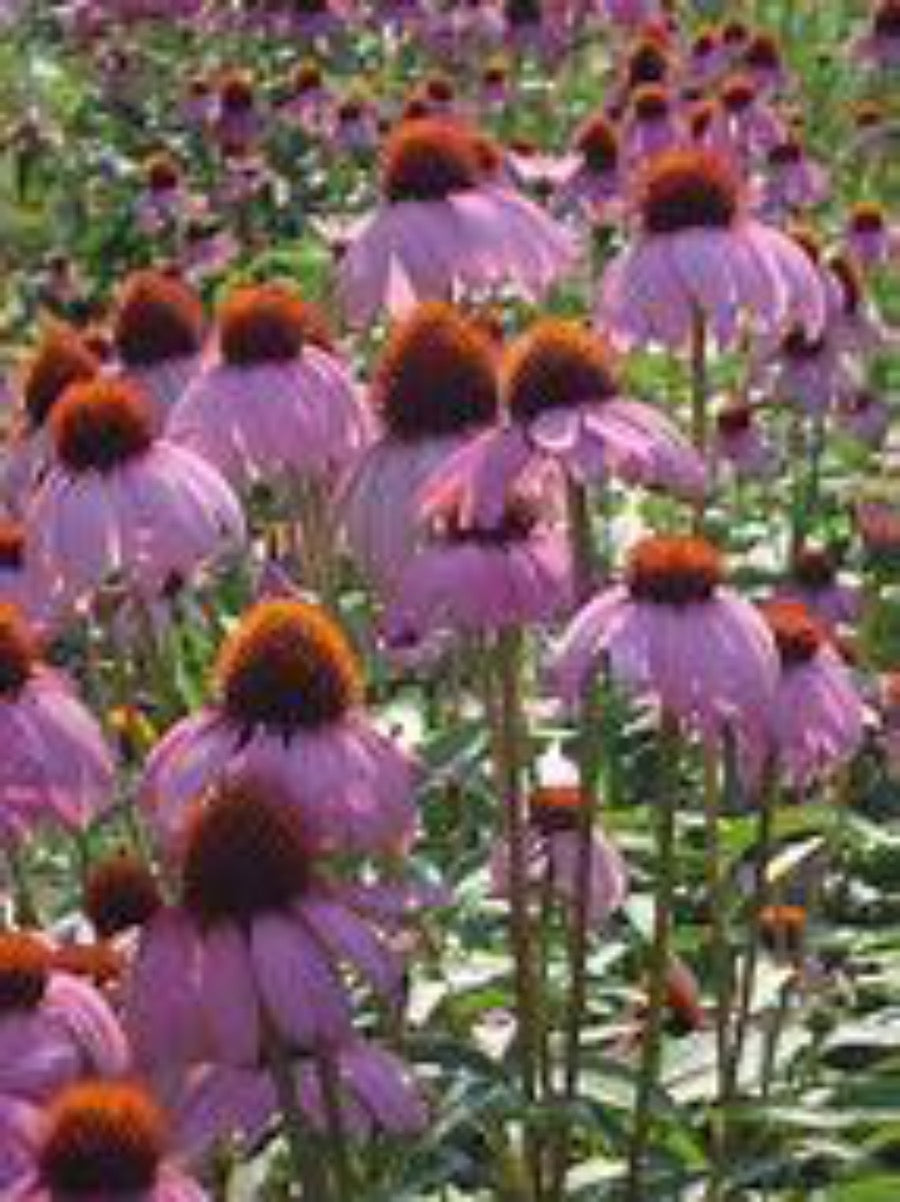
449 600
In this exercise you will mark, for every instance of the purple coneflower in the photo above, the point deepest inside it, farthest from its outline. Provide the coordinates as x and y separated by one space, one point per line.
102 1140
815 583
434 386
651 124
865 416
474 575
163 199
158 333
700 255
17 584
277 401
446 222
869 238
290 708
54 1028
56 767
817 713
677 634
62 357
594 176
880 45
794 181
257 944
561 392
553 855
739 442
121 502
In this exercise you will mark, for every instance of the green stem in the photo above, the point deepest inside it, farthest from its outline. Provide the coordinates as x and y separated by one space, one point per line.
25 911
651 1046
504 712
699 383
306 1161
721 963
761 891
326 1067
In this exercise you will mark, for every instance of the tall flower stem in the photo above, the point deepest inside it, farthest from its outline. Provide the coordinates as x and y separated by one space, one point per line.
584 574
761 889
651 1046
306 1161
509 765
329 1084
507 723
717 901
699 383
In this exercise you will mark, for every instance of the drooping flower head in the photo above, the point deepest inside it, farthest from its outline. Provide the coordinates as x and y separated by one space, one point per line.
818 713
676 633
105 1139
692 216
447 222
435 385
145 509
561 392
158 333
279 400
57 769
54 1028
475 575
60 359
120 893
261 928
288 706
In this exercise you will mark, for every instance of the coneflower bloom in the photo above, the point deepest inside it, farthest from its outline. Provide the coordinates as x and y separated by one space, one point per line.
121 893
434 386
699 253
865 416
237 120
162 201
810 373
880 44
119 502
740 444
553 854
815 582
103 1140
289 706
56 768
278 400
54 1028
676 634
158 333
650 125
562 396
744 125
794 181
261 933
447 222
593 179
476 576
762 60
817 712
61 358
869 238
17 584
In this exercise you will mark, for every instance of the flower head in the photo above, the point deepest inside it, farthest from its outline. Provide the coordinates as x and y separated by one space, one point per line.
436 377
61 359
158 318
101 425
